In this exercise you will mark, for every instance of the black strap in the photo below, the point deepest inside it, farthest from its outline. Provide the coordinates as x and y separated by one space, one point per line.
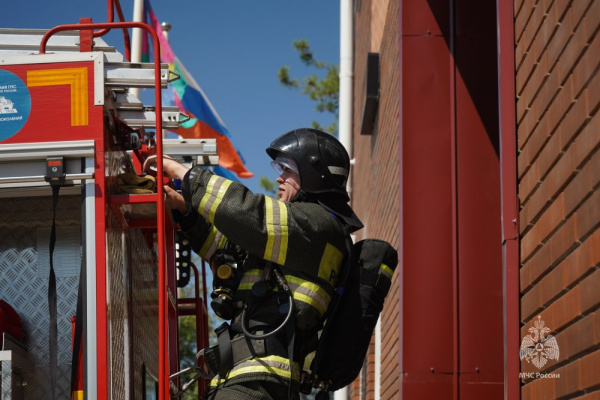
52 307
291 339
225 352
243 349
78 335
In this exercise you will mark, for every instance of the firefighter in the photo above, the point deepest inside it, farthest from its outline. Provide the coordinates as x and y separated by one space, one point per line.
286 256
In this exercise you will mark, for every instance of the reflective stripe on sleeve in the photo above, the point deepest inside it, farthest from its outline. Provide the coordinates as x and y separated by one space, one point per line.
277 231
215 190
213 242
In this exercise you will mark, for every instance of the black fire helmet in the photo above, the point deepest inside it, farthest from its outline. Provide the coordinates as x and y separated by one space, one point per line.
322 161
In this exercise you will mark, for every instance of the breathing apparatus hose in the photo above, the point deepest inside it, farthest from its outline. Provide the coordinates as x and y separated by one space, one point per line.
282 283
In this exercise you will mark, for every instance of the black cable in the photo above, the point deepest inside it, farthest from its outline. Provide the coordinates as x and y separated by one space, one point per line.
283 284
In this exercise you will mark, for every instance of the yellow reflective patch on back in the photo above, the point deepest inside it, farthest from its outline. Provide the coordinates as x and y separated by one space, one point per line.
330 265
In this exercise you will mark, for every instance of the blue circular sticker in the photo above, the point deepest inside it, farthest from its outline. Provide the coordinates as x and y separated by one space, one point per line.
15 104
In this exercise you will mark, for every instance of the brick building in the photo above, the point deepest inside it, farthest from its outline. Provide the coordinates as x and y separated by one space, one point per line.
481 164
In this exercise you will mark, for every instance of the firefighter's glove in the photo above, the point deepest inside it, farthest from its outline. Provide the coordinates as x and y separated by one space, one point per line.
130 183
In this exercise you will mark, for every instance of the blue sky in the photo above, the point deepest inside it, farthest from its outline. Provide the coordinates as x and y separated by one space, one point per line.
233 48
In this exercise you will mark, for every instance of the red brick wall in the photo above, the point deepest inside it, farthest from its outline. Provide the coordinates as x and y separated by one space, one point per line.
558 95
375 184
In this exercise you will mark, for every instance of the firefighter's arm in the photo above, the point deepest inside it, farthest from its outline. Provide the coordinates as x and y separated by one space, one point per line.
203 236
230 206
256 223
171 168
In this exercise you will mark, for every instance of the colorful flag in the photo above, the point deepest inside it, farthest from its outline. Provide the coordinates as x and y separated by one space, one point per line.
204 121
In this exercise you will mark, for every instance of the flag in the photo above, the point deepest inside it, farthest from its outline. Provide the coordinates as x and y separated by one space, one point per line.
204 121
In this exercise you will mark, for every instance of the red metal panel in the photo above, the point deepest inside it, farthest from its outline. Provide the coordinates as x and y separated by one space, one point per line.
55 99
480 386
426 386
425 18
478 205
451 253
479 250
426 207
510 206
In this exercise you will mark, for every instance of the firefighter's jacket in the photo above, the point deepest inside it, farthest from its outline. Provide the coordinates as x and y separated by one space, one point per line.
304 239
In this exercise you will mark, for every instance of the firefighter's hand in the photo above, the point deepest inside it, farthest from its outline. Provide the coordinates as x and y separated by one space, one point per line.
171 168
175 200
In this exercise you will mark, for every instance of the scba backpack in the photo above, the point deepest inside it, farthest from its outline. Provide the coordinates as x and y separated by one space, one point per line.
346 336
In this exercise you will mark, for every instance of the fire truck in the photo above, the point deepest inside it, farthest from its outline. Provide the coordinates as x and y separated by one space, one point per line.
90 257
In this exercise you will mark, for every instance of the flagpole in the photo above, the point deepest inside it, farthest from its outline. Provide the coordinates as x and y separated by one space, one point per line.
166 27
136 39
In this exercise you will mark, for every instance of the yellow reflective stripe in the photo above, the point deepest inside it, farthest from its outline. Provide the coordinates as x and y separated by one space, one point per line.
210 240
331 261
277 231
253 272
76 78
310 301
222 242
385 270
214 241
78 395
215 190
283 222
250 278
270 228
207 195
313 287
309 293
216 381
272 365
246 286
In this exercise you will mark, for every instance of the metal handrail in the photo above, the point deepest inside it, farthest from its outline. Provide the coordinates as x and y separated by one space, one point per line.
111 8
42 178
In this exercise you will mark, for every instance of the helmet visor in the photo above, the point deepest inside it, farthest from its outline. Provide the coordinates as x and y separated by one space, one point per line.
282 163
